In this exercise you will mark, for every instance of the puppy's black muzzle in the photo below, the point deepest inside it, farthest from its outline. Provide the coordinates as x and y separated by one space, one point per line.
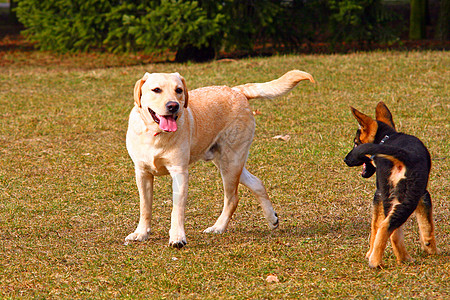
368 168
352 161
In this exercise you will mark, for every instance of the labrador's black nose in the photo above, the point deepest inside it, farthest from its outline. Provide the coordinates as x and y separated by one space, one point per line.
172 107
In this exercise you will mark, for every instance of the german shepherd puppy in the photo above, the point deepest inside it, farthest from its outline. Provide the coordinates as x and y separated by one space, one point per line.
402 164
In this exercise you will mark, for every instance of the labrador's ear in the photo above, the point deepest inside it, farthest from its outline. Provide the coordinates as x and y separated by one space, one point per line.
138 89
383 114
185 90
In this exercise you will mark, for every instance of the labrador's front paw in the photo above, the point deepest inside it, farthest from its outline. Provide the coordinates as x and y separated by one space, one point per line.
178 245
138 236
177 239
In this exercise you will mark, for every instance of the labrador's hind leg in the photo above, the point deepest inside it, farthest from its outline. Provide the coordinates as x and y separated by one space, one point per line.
256 186
230 177
230 156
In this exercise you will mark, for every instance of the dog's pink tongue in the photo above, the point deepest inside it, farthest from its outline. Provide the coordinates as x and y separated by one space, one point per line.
167 123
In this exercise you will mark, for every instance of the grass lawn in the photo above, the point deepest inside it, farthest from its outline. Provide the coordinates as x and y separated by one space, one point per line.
68 196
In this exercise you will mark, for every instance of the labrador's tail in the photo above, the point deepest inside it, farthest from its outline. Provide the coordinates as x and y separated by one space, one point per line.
274 88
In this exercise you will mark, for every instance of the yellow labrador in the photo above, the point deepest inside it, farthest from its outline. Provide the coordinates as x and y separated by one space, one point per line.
170 128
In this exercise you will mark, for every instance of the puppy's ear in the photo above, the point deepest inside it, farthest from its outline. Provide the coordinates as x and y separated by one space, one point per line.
138 89
185 90
383 114
362 119
368 126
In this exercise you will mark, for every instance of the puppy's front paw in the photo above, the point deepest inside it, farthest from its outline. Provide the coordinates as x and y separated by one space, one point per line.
375 262
137 236
368 253
405 259
430 247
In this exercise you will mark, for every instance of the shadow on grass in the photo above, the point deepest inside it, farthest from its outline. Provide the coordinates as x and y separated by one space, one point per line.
312 230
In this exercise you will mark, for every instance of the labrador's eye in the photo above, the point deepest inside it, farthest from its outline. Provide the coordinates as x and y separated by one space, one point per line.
179 90
157 90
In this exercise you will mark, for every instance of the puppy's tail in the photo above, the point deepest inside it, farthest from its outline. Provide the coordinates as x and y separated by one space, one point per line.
274 88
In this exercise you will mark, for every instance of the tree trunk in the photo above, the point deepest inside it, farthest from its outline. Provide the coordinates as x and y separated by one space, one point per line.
443 26
417 19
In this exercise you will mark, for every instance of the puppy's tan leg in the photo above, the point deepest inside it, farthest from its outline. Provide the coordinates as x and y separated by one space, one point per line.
384 231
424 215
256 186
144 181
397 216
379 244
180 179
398 245
377 218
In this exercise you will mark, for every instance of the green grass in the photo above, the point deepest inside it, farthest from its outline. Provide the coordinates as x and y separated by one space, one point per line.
68 196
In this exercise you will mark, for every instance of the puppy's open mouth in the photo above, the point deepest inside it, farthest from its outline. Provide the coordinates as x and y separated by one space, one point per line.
166 123
368 169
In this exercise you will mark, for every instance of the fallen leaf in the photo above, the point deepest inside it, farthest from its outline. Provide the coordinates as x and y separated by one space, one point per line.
257 112
272 278
285 137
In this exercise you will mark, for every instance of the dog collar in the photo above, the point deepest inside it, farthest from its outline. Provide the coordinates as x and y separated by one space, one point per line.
385 138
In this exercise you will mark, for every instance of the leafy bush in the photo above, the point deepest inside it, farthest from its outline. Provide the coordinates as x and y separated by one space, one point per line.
160 26
65 25
360 20
194 26
248 22
299 22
